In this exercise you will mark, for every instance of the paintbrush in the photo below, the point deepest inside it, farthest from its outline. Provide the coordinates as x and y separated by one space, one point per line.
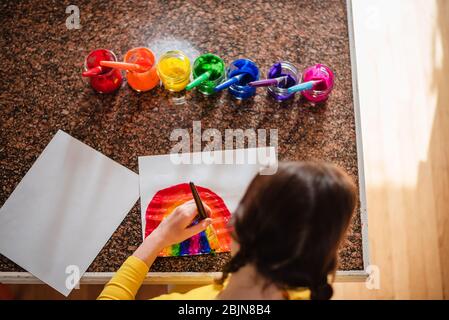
269 82
303 86
205 76
230 82
93 72
199 204
125 66
210 231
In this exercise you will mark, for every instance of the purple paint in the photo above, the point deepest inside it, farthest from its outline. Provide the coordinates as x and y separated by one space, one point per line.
283 69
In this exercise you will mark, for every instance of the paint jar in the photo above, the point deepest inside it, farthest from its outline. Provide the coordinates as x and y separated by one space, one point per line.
109 80
241 90
322 90
174 69
209 63
142 81
283 69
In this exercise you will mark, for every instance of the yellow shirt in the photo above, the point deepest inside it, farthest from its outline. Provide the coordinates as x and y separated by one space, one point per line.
128 279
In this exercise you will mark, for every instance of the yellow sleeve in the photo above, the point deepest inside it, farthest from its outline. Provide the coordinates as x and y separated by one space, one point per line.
126 282
207 292
210 292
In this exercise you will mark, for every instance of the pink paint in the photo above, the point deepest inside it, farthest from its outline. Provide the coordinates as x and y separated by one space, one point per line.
322 90
195 245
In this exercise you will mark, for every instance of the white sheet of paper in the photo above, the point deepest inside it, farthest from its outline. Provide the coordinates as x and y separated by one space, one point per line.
229 181
64 211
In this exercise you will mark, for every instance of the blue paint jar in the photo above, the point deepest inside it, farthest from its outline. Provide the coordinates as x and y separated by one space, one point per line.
250 72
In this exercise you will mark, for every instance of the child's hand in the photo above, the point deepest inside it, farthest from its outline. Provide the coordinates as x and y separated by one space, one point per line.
173 229
176 228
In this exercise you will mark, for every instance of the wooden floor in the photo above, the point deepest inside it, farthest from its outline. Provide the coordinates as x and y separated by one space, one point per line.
402 56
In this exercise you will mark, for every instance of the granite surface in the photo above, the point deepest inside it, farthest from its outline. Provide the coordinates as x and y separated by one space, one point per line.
42 91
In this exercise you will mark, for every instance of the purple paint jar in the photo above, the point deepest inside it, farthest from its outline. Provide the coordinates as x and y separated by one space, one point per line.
283 69
321 91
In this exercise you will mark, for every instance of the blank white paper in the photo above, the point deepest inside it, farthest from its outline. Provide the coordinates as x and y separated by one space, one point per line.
229 181
64 210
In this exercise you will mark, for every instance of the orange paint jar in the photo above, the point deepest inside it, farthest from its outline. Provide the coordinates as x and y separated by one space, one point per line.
143 80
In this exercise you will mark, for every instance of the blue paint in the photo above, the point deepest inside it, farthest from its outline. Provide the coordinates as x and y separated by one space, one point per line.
245 72
204 243
184 248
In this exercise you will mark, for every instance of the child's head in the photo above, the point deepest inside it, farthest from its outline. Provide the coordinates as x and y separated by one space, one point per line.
289 225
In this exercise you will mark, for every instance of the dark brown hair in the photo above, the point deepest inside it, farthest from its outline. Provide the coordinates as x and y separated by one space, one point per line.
289 226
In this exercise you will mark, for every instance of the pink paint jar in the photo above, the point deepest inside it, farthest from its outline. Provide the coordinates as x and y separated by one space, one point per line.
109 80
321 91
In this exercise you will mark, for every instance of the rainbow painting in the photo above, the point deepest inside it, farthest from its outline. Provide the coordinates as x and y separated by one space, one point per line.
215 238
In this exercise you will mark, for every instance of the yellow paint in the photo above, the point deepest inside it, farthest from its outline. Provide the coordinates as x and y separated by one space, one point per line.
174 70
212 237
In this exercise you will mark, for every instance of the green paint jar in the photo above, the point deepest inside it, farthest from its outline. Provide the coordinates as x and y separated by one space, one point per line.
209 63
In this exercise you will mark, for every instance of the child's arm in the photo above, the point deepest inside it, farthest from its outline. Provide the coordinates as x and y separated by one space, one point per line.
173 229
128 279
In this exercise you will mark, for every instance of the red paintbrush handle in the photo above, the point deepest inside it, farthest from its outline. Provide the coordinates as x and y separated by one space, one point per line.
122 65
93 72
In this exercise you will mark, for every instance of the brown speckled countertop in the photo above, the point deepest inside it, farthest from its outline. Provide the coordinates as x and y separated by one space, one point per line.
42 91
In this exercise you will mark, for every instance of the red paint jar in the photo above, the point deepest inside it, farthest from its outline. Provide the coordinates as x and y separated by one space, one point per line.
109 80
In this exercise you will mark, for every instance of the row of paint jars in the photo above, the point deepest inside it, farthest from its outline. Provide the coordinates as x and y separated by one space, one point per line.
209 75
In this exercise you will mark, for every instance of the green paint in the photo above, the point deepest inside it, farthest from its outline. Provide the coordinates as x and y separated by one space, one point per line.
175 250
209 63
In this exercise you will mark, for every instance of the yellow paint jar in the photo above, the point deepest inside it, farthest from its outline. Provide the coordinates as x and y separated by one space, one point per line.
174 69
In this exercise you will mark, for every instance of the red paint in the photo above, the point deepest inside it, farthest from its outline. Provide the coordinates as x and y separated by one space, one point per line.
109 80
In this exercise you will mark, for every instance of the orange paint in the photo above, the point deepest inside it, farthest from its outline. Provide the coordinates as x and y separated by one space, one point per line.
142 80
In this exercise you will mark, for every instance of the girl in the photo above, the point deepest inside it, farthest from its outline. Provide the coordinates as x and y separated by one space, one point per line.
286 234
